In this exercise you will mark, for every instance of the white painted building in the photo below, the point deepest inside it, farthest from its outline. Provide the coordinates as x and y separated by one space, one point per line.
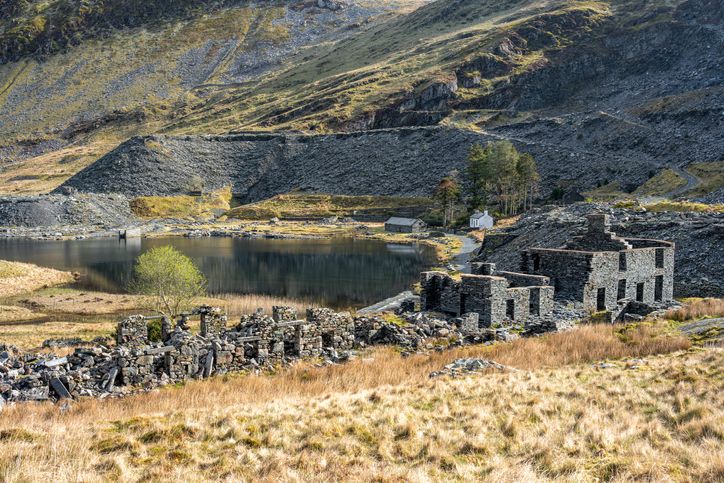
481 221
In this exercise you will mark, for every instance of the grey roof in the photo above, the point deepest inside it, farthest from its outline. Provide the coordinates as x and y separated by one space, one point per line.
395 220
479 215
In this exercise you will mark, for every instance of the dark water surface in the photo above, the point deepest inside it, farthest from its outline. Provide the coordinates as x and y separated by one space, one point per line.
336 273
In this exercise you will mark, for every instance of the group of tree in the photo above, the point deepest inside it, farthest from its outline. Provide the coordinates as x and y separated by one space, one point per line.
497 174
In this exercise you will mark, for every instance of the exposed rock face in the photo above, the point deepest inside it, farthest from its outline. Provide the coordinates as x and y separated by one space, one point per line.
699 240
404 162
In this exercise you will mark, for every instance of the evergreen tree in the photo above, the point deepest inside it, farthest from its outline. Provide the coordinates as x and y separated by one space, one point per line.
479 175
447 194
500 169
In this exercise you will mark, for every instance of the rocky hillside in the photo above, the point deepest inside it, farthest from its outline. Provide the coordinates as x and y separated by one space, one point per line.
77 77
606 93
699 240
403 161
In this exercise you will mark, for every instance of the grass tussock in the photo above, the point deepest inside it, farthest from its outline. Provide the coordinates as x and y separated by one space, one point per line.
698 309
182 206
381 418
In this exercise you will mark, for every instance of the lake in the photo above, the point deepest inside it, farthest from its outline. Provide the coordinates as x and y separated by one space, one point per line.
337 273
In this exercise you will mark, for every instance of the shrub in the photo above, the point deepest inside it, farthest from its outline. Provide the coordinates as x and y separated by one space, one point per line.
169 277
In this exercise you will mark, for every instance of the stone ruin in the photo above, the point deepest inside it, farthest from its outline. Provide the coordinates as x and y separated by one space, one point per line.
604 272
598 271
495 297
259 340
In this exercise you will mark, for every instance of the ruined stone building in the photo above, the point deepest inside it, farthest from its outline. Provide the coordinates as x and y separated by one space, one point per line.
604 271
598 269
497 297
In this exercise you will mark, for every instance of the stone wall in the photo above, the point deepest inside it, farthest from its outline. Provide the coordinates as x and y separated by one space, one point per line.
567 269
213 322
335 329
611 271
494 298
441 293
132 332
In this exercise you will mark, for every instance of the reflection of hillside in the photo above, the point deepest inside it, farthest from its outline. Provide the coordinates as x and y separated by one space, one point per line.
338 273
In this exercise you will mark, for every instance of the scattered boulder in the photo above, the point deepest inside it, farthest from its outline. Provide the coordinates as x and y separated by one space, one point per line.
462 367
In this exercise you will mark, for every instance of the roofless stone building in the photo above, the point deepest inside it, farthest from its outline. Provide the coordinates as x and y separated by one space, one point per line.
599 270
602 270
496 296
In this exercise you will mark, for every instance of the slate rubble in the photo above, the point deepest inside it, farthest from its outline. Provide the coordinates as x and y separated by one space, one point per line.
259 342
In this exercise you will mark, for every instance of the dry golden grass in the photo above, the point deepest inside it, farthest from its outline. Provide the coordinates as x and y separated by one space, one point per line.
17 278
182 206
29 335
14 313
79 302
46 172
66 313
237 305
664 182
380 418
697 309
68 301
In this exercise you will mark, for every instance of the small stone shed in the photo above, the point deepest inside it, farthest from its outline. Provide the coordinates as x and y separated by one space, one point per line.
604 271
404 225
498 297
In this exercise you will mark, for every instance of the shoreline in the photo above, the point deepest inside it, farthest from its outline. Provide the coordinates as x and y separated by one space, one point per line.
447 248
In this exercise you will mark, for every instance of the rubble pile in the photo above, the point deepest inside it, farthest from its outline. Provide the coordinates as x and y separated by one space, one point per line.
258 342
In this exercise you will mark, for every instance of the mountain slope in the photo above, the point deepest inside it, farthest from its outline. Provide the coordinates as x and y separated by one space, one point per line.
63 104
607 88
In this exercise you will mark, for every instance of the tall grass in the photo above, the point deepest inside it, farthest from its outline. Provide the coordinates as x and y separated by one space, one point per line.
380 418
698 309
237 305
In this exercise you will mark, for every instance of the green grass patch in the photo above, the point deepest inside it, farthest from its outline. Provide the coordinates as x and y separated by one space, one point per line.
323 206
182 206
662 183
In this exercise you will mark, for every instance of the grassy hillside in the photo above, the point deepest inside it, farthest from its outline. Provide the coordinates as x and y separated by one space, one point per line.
323 206
640 416
583 76
65 103
348 80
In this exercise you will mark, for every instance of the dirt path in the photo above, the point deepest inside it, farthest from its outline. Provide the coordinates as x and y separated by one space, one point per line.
691 182
461 260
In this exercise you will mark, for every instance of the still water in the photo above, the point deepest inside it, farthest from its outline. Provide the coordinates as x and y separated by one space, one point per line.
336 273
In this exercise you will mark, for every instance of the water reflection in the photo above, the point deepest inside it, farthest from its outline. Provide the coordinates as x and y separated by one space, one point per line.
337 273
